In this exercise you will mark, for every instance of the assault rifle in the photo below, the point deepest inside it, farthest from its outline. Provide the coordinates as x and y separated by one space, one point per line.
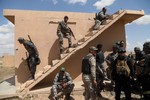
71 33
30 39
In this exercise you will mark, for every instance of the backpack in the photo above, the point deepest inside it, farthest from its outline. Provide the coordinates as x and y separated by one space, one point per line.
122 68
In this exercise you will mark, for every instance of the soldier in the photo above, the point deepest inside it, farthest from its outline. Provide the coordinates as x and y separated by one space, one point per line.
120 44
110 61
63 31
139 56
101 74
33 58
145 74
100 60
89 73
122 70
62 82
101 17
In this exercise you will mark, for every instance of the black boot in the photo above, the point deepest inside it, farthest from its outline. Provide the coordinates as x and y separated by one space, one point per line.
69 46
68 96
31 77
56 98
61 51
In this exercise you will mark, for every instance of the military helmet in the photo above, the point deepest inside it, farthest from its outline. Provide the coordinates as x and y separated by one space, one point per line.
121 50
115 46
92 48
147 45
137 49
20 39
104 9
62 69
121 42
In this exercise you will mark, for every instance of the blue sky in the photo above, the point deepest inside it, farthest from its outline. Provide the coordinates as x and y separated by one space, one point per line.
137 32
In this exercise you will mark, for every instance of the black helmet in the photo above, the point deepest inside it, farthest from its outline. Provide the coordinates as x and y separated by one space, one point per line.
147 45
20 39
121 50
104 9
115 46
137 49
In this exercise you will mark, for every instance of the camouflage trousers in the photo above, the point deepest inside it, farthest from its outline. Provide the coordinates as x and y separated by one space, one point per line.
97 25
89 89
58 88
31 61
61 36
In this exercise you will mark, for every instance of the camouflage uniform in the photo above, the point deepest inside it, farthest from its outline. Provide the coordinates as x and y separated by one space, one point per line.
100 18
63 31
139 56
59 80
111 58
33 58
87 78
145 74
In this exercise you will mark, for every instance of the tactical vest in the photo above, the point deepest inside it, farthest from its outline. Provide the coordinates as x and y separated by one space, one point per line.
122 68
62 79
64 28
86 68
29 48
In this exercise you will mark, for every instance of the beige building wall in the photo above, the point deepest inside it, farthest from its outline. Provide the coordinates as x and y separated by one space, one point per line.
8 61
42 25
1 63
73 65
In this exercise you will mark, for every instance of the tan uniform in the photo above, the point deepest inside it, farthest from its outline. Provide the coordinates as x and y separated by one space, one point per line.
63 32
88 78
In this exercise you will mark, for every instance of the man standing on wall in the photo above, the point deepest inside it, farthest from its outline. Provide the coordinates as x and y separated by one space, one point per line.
89 73
101 18
33 57
63 31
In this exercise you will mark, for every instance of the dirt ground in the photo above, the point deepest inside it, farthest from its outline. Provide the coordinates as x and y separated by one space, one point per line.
6 72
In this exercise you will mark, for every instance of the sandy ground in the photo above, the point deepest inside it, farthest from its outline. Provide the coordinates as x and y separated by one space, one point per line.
6 73
7 88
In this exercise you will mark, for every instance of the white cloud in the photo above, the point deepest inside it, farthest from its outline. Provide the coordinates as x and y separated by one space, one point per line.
145 20
7 38
82 2
103 3
148 40
55 2
131 46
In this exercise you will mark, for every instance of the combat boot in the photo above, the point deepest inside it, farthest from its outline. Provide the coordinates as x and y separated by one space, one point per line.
68 96
56 98
69 46
61 51
31 77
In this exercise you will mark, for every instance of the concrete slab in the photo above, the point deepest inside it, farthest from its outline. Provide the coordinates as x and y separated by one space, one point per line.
7 87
